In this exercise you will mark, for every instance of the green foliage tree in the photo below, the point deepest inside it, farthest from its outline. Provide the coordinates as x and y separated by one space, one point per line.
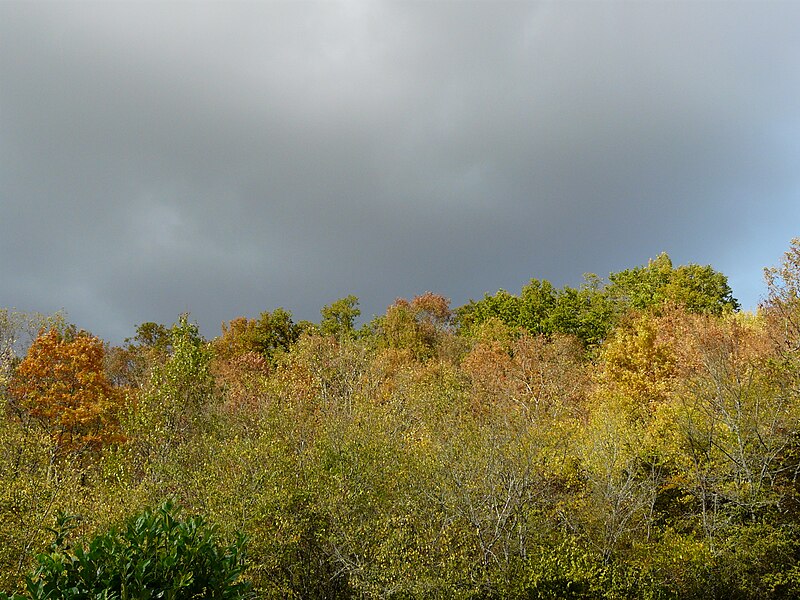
537 303
152 335
276 332
503 306
699 289
176 402
592 310
338 318
585 312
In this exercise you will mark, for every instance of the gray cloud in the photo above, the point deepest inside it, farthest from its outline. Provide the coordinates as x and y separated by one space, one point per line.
230 158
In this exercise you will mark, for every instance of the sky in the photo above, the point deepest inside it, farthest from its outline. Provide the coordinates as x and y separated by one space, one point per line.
231 158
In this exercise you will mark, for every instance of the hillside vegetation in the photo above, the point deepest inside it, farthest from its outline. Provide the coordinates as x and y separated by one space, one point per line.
635 437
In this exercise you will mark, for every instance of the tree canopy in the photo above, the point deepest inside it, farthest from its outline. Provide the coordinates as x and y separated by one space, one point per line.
630 437
595 307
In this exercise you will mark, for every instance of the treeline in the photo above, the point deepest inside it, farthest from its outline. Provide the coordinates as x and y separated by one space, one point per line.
636 437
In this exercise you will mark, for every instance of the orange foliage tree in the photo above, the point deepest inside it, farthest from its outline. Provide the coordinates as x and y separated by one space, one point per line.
540 375
419 325
61 385
238 364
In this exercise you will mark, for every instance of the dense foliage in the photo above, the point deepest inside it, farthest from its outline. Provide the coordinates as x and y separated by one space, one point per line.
636 437
156 555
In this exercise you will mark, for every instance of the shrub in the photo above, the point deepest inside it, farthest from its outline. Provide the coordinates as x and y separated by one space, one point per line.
156 555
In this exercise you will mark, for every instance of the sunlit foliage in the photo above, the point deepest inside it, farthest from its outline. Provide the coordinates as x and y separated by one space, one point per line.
61 385
635 437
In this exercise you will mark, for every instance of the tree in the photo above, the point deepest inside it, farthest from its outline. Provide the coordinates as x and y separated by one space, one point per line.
418 325
537 303
620 483
239 337
338 318
275 332
699 289
585 312
270 334
536 375
61 385
180 390
17 332
502 305
782 306
153 335
735 424
238 365
129 366
638 364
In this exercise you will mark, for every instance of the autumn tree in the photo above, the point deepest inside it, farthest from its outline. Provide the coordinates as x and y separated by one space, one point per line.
536 375
239 336
238 364
128 366
61 385
734 421
17 331
782 305
638 364
417 326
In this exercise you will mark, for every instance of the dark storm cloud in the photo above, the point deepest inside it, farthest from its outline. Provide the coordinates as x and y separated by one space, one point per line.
230 158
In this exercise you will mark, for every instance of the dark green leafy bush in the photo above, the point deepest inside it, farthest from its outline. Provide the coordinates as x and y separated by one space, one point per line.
156 555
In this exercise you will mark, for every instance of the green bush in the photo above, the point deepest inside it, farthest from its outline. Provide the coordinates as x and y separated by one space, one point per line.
558 572
156 555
